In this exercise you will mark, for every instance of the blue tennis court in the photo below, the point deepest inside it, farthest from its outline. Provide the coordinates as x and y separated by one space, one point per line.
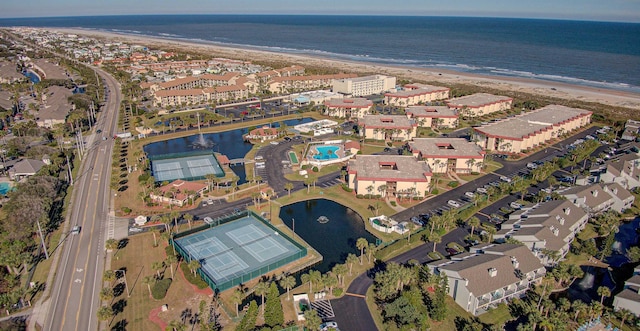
187 168
239 250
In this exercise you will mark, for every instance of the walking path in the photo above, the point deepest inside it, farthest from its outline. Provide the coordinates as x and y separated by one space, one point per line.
397 207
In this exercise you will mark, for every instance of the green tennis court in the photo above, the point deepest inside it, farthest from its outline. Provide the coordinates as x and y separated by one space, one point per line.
293 157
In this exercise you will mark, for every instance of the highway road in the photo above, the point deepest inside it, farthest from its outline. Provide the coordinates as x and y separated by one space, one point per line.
75 292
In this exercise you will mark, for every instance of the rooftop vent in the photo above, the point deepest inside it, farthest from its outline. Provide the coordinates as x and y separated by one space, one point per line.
515 262
595 193
567 210
561 221
556 232
493 272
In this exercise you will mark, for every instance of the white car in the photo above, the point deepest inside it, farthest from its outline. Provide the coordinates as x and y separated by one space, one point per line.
208 220
470 194
481 190
453 203
532 165
515 205
505 179
328 326
75 229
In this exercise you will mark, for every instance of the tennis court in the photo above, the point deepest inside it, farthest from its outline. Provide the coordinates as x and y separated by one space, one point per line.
239 250
187 168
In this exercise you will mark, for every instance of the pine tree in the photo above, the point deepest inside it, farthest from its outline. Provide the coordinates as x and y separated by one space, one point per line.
273 313
248 322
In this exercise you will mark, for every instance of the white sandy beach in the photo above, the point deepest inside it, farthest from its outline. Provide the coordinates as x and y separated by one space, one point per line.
532 86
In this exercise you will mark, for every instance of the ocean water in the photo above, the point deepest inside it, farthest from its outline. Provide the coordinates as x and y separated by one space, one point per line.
598 54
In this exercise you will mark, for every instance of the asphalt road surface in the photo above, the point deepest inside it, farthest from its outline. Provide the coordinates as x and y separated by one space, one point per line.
75 296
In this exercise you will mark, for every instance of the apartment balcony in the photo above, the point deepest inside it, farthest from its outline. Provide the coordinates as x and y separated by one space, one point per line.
483 301
497 296
510 292
522 287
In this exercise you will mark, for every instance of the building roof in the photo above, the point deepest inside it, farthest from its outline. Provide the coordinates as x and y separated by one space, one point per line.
57 104
412 90
533 122
594 195
627 163
630 294
352 144
476 268
431 112
27 167
349 103
389 167
477 100
618 191
446 147
178 81
387 122
263 132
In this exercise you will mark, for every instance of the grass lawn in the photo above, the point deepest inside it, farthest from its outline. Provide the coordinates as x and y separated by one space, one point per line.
295 176
497 316
137 258
587 233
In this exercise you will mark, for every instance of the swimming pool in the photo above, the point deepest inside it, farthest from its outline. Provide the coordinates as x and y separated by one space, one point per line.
5 187
326 152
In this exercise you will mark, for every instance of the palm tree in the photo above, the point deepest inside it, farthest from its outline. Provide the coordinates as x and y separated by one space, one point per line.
171 259
175 215
340 270
157 266
603 292
306 278
288 186
154 231
106 294
236 299
166 220
189 218
361 244
624 314
435 238
578 307
193 265
351 260
111 244
288 282
371 248
261 289
473 223
314 278
104 313
148 280
109 276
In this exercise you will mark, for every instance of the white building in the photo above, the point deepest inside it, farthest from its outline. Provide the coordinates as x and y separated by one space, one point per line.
361 86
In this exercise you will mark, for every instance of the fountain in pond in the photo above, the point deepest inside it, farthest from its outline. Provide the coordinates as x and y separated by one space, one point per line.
587 281
201 141
617 247
323 219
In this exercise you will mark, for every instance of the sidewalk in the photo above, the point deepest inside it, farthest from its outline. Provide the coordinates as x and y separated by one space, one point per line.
397 207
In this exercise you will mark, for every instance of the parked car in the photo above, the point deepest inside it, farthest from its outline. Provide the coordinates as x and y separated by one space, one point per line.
453 203
208 220
470 194
505 179
209 201
328 325
451 251
481 190
532 165
515 205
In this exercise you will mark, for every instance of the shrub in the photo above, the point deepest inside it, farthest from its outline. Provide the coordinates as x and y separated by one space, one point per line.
315 169
191 278
126 210
359 196
305 167
453 183
337 291
393 203
160 288
346 188
143 177
435 191
475 173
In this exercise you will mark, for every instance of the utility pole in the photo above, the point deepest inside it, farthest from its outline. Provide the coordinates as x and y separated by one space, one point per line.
69 169
44 247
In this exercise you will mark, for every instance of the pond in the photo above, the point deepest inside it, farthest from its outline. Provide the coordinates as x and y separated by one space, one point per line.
334 239
229 143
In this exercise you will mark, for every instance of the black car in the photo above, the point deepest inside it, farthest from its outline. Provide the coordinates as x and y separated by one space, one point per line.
99 131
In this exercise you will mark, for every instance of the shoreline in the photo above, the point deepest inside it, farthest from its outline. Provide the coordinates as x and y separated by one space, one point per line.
554 89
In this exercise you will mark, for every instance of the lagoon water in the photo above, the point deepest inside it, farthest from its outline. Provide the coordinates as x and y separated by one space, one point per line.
334 239
599 54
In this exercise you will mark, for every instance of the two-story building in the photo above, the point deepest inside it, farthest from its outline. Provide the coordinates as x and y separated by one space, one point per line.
389 175
629 298
416 93
433 116
388 127
350 108
479 104
544 227
448 154
490 275
598 198
624 170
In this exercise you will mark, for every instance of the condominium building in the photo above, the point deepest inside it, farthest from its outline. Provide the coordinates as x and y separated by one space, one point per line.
448 154
433 116
389 175
629 298
287 84
388 127
489 275
480 104
544 227
624 170
362 86
598 198
529 130
415 93
350 108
